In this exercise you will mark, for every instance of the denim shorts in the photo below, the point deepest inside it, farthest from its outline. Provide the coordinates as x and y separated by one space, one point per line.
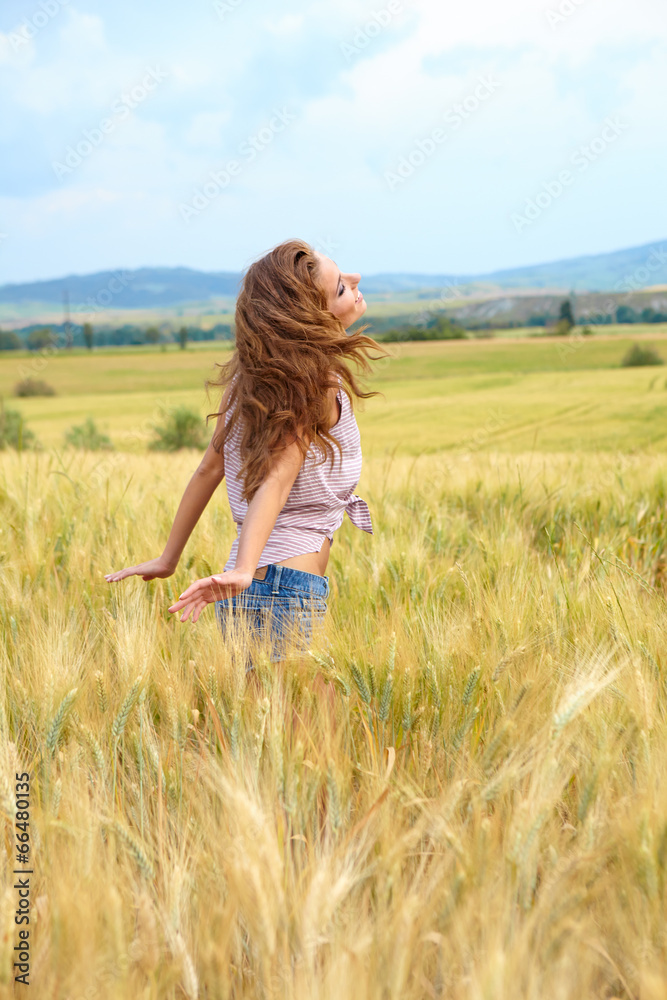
284 611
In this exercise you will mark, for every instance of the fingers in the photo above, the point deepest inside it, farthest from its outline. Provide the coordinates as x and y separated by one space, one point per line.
178 606
193 608
187 605
120 574
194 589
186 599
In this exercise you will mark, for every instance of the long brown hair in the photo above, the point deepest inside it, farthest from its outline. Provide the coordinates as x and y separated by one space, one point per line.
290 350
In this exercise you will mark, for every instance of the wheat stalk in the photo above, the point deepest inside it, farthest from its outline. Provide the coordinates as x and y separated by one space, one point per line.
59 719
137 851
120 722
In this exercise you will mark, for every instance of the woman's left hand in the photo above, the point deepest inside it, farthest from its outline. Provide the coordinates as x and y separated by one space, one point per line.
210 589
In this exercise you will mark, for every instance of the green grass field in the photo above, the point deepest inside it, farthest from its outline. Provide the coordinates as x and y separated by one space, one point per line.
548 395
459 791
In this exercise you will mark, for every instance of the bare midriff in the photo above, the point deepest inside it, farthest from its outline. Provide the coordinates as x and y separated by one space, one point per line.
309 562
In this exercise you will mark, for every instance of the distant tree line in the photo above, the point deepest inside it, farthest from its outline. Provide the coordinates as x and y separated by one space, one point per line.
623 314
388 328
626 314
37 338
437 328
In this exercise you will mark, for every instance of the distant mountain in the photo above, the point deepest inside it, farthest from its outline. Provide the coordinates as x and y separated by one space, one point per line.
144 288
620 271
153 287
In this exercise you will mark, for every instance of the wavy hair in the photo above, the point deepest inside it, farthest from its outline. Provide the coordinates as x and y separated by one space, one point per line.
290 350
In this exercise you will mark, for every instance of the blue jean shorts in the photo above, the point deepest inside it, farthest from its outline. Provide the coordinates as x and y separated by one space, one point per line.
284 611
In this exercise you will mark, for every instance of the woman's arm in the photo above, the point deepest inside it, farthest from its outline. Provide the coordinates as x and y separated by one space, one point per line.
265 506
258 524
198 492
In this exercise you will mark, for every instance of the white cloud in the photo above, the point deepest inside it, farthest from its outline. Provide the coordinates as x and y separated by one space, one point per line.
206 127
288 24
486 23
16 51
390 101
82 32
365 113
644 87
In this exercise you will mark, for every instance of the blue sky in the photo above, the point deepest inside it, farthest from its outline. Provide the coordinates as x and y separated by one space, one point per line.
394 136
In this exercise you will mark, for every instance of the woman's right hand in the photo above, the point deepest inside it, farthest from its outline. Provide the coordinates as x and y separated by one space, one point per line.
154 569
219 587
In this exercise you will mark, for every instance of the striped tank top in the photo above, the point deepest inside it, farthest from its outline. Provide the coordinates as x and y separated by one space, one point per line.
318 501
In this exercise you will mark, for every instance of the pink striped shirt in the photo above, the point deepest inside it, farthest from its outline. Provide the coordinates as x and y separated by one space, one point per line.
319 498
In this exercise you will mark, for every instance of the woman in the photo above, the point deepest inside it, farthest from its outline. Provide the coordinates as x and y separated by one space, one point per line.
284 410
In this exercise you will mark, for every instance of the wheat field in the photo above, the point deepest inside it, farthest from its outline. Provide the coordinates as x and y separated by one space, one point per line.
477 809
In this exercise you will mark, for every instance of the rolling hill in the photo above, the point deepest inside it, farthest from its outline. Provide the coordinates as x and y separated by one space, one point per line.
164 287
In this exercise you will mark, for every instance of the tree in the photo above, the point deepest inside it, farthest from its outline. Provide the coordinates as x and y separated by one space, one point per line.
10 341
183 337
152 335
626 314
88 335
40 338
565 316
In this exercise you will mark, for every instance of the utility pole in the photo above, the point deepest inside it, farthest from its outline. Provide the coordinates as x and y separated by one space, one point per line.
68 325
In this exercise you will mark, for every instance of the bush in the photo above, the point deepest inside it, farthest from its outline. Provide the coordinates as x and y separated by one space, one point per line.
562 328
638 356
33 387
13 431
586 332
40 339
182 428
10 341
87 436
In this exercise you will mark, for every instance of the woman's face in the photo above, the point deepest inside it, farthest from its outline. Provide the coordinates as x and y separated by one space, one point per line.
343 296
